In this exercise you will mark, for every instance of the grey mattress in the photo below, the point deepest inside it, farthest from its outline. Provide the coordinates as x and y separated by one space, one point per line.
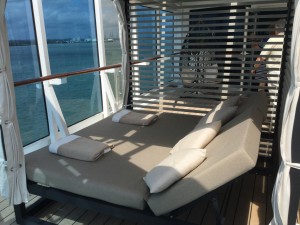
117 176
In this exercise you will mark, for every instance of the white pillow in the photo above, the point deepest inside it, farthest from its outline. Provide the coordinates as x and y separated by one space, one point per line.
224 115
173 168
232 101
199 137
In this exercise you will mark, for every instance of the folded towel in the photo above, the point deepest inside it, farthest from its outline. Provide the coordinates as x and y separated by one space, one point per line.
80 148
135 118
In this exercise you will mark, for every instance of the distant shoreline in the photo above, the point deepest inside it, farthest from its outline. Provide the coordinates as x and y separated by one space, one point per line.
32 42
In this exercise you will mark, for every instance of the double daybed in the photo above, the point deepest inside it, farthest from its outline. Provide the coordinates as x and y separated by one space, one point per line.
117 177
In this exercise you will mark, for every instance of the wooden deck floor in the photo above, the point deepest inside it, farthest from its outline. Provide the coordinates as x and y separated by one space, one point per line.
245 202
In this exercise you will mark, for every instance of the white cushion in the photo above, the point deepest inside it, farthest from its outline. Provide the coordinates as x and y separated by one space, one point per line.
231 101
199 137
224 115
173 168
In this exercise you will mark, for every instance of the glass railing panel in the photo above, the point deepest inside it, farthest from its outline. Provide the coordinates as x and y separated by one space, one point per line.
116 81
30 101
72 45
113 50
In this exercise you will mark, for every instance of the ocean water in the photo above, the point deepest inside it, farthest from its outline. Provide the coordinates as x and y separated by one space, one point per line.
75 96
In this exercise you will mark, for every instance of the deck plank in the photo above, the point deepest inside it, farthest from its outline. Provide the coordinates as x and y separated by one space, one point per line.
233 202
100 219
242 216
124 222
269 211
73 216
198 212
298 216
184 215
2 199
7 215
61 213
3 205
46 212
86 218
113 221
258 209
210 217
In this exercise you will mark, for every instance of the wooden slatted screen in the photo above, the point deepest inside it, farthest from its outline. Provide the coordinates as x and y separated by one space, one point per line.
208 50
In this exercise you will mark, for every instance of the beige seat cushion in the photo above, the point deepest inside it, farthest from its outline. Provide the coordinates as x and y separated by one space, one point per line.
232 153
118 176
199 137
231 101
223 115
173 168
257 99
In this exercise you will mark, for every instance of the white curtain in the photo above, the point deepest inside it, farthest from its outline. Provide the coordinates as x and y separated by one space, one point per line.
12 171
282 190
123 34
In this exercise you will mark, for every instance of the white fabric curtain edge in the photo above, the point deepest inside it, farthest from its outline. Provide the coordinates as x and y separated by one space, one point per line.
123 35
4 187
13 184
282 190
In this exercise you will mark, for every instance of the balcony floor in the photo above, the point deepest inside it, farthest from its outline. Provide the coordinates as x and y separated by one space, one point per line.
245 202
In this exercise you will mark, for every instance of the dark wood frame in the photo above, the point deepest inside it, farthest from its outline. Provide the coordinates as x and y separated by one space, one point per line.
25 216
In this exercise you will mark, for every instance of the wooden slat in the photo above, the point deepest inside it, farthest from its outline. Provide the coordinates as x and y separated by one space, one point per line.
48 211
73 216
127 223
100 219
298 215
242 216
10 219
258 211
222 198
86 218
61 213
7 211
233 203
269 211
184 215
198 212
113 221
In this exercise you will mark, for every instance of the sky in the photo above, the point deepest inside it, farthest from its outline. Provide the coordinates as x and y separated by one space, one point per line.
63 19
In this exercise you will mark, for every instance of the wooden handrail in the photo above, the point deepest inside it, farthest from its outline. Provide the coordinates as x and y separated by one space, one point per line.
63 75
79 72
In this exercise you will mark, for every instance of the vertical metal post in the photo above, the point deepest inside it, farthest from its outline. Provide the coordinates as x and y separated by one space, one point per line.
107 93
2 146
101 51
20 212
130 92
56 119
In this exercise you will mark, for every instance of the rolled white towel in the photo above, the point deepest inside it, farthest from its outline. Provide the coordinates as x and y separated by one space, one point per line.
81 148
134 118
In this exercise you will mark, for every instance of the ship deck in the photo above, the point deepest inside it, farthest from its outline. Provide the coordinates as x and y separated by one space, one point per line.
244 202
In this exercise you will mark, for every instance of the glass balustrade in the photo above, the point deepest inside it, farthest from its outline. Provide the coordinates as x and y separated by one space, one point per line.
30 101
